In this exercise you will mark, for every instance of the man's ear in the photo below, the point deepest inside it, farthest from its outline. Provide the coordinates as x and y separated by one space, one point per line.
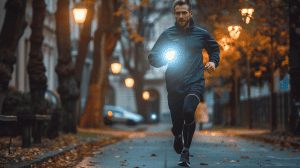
191 13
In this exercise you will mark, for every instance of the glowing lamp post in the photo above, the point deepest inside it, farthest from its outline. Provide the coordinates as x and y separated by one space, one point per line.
129 82
247 12
234 31
116 68
79 13
146 95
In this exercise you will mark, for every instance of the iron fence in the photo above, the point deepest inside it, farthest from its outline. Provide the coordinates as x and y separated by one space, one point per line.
260 112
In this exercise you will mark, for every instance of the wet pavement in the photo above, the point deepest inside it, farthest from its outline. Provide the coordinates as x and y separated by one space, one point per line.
154 149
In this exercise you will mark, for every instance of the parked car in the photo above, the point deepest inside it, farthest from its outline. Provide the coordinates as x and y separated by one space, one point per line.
114 114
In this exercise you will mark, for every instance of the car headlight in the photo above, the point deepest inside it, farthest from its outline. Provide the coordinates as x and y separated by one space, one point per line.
110 115
153 116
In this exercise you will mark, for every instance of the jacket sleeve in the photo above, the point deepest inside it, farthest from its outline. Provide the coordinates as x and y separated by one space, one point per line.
212 48
155 56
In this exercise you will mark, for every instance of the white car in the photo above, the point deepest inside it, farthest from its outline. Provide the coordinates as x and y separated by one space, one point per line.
114 114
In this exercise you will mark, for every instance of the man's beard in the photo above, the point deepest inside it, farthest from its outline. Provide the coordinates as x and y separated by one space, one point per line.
185 23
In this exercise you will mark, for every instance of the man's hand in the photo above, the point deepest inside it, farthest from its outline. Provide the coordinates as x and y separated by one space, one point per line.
210 66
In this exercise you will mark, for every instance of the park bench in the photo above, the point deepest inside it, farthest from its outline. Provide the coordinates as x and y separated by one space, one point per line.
26 122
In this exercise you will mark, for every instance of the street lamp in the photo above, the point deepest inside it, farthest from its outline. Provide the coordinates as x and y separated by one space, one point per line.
79 13
129 82
146 95
234 32
115 65
247 13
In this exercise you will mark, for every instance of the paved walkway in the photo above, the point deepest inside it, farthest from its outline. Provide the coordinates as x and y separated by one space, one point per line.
153 149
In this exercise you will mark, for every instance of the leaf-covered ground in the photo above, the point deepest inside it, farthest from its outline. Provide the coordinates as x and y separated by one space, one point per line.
17 154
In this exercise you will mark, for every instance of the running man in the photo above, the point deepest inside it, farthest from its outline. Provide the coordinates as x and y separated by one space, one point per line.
180 47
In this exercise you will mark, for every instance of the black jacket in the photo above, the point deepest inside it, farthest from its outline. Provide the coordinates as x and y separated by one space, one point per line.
185 73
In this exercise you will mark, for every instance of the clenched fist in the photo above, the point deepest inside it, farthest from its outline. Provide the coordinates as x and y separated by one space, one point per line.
210 67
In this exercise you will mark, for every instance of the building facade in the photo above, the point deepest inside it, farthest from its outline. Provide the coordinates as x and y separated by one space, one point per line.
20 78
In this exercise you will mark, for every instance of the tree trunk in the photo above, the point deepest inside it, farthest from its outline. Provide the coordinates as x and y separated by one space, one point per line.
35 68
12 30
84 40
67 88
140 102
107 40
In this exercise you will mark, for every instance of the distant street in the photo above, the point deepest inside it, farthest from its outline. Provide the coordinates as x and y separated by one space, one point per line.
153 149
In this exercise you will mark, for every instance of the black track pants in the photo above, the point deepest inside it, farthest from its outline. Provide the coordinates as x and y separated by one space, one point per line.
185 114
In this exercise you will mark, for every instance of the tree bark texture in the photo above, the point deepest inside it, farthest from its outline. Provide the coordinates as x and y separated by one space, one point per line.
106 37
36 69
12 30
67 88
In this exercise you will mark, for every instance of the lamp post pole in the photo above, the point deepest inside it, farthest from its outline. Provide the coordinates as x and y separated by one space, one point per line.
248 93
273 95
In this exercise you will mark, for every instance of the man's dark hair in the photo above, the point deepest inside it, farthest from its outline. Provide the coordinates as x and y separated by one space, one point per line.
182 2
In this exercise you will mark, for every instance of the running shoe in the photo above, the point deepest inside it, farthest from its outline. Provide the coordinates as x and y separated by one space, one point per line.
184 159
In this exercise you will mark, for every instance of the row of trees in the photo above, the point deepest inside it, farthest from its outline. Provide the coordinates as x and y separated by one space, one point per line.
114 18
266 36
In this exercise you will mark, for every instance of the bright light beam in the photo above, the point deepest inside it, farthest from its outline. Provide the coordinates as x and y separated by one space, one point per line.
170 55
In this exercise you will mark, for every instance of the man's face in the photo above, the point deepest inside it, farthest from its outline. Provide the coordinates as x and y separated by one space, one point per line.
183 15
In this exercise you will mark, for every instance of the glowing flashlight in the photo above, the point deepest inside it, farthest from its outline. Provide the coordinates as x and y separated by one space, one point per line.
170 55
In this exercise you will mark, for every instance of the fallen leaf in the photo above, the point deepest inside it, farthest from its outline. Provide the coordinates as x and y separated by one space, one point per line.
124 164
153 154
261 145
122 161
203 164
297 163
290 156
280 149
234 161
112 149
136 167
198 156
142 156
225 161
216 163
117 156
263 153
216 145
246 157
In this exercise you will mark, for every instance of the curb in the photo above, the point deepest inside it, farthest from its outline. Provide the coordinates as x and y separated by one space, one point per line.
270 140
